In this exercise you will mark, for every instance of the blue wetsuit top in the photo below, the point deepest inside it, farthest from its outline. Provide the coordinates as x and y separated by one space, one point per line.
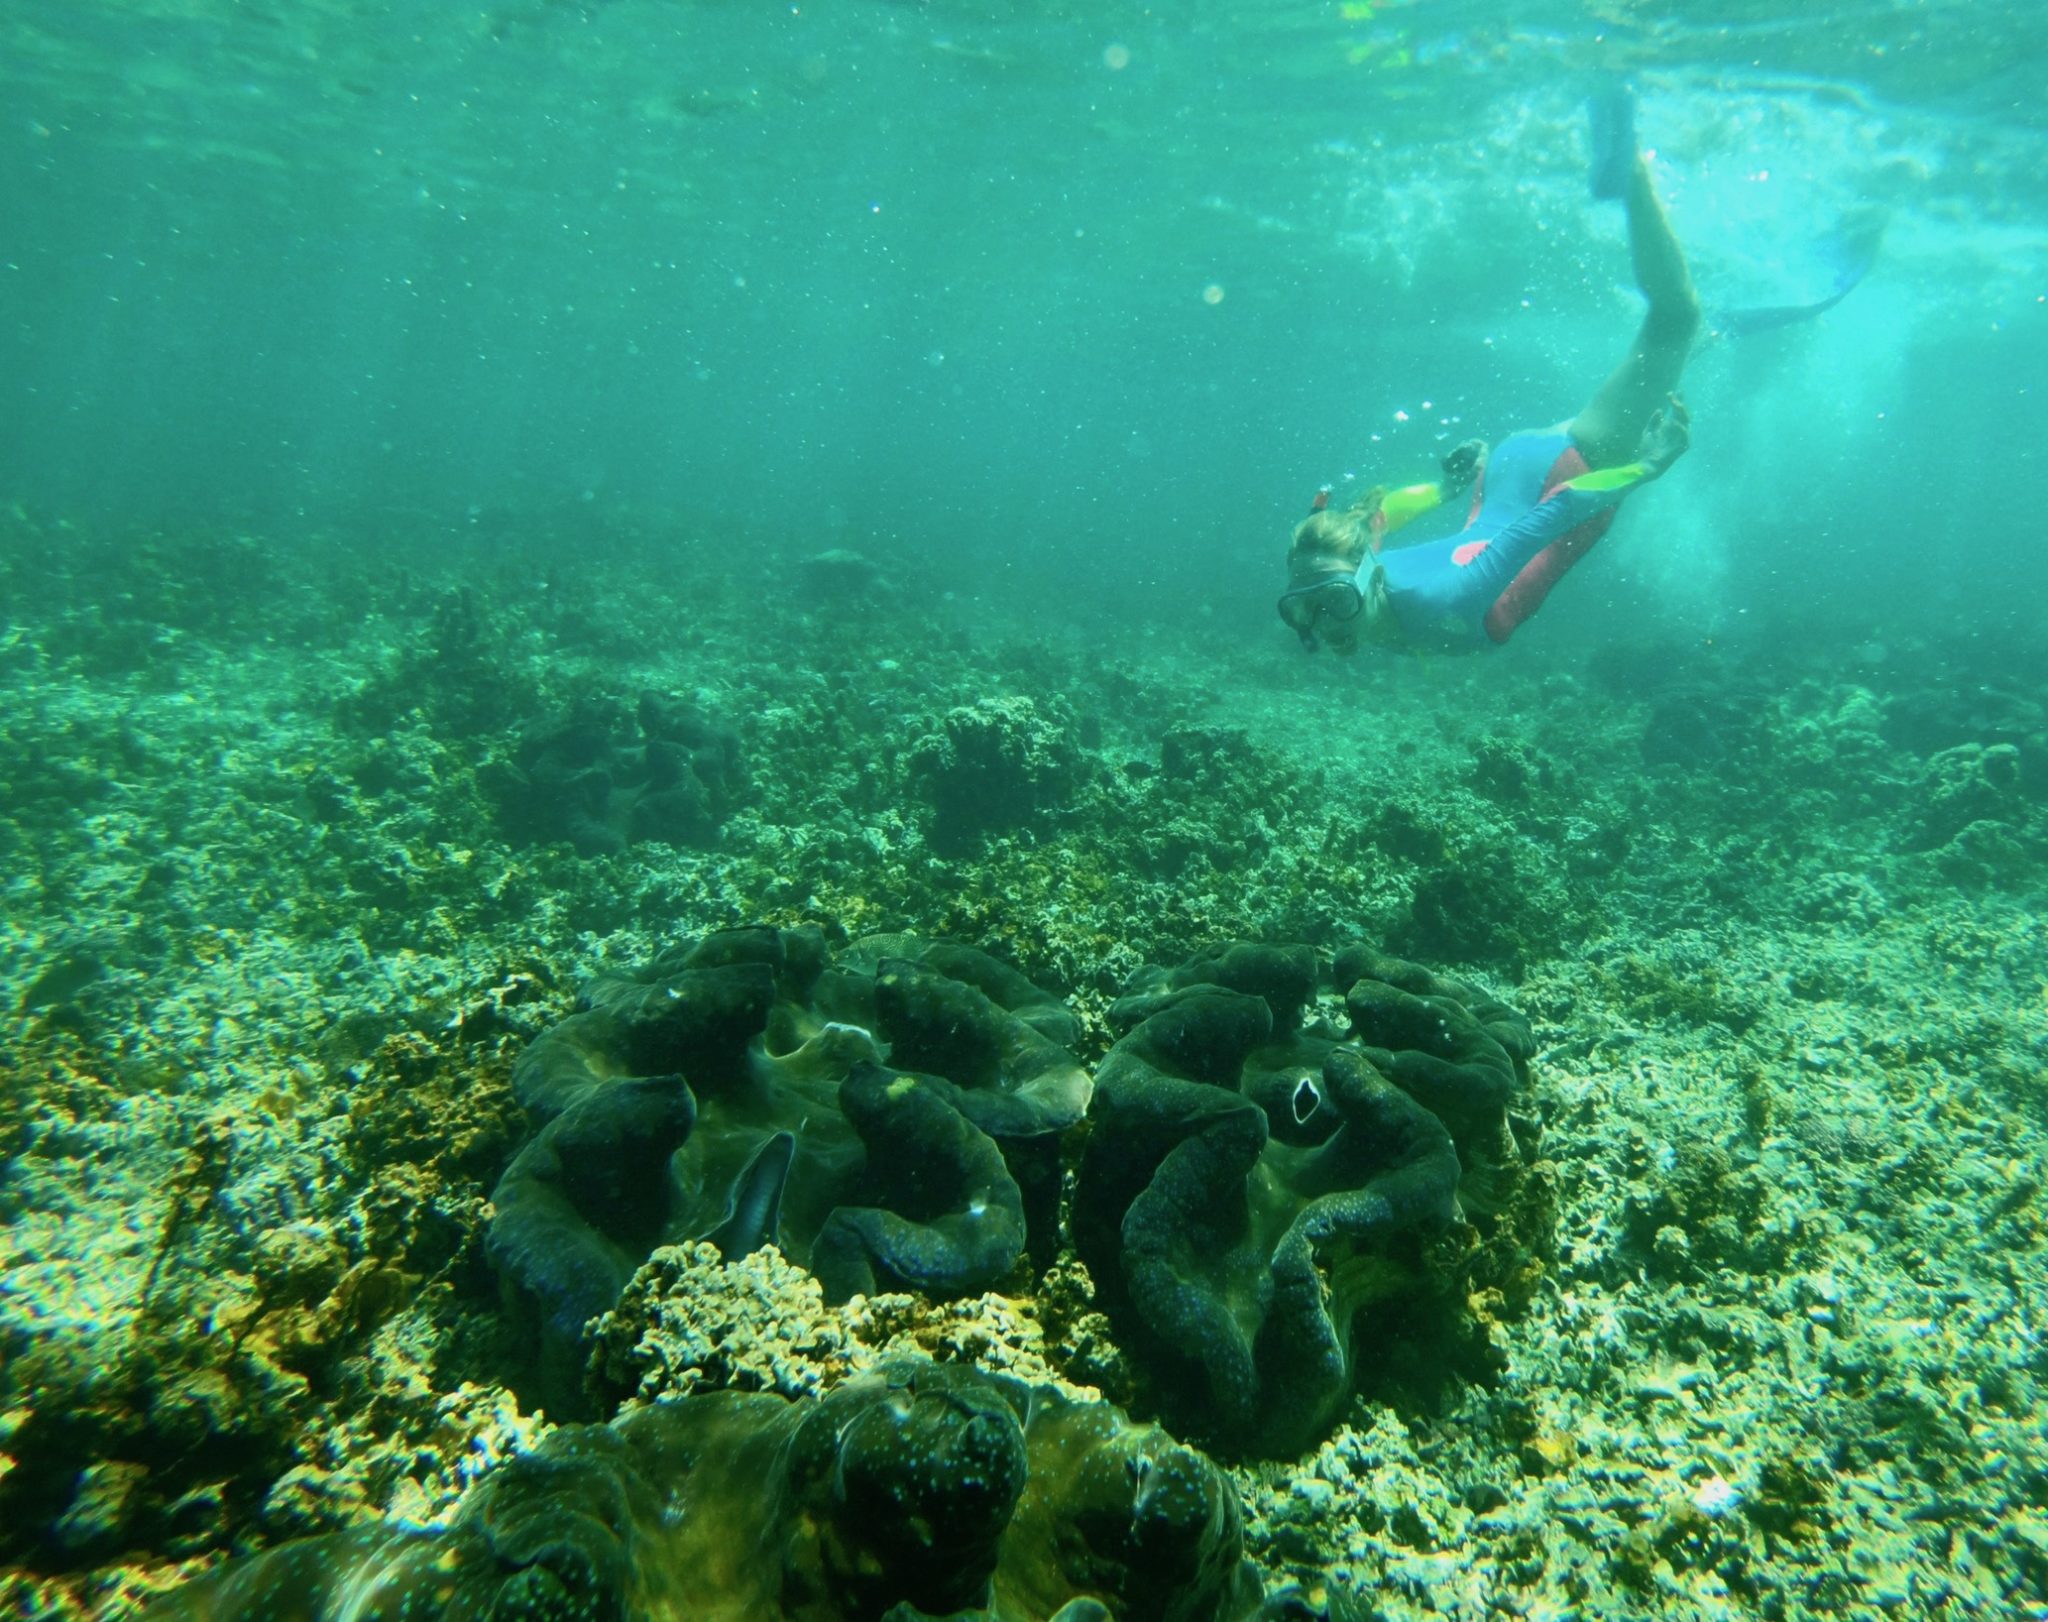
1440 591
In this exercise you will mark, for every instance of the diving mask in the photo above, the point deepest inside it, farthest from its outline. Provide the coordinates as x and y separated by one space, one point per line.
1334 596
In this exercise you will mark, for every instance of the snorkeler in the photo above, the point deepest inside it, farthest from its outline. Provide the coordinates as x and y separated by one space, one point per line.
1543 497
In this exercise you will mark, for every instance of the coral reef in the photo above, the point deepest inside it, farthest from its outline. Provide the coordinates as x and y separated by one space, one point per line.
736 1089
1255 1186
918 1490
1755 1310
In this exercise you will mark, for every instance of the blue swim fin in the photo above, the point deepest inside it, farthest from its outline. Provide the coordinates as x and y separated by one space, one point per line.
1611 129
1852 249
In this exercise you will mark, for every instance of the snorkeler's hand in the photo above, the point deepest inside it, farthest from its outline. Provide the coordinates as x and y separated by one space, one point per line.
1668 437
1461 467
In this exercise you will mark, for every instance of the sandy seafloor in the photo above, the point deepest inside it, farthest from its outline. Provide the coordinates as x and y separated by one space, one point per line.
269 949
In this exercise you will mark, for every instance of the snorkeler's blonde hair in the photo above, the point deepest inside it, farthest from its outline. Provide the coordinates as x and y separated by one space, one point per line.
1342 537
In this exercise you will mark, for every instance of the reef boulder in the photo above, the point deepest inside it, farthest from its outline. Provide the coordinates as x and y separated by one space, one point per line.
996 766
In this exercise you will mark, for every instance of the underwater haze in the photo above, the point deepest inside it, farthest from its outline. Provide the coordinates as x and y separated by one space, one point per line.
1102 291
681 937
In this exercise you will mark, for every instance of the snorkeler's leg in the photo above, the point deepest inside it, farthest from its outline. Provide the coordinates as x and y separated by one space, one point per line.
1608 430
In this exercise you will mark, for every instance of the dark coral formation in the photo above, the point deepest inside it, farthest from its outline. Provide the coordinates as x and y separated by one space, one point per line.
454 669
601 781
1256 1181
887 1118
924 1490
993 767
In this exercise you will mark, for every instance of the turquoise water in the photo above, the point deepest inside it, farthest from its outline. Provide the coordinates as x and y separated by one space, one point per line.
940 274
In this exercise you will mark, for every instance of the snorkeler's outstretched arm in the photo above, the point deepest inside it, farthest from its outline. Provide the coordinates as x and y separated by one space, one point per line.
1411 501
1399 508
